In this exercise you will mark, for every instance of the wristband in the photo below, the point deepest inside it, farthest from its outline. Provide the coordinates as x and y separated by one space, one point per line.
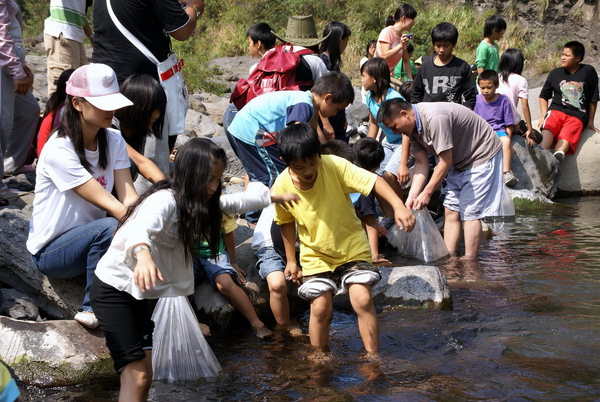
198 13
139 248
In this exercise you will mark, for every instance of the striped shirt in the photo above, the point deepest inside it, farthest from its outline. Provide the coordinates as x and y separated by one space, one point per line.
66 17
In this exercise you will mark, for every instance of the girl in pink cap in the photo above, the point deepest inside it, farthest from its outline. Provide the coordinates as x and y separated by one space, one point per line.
75 214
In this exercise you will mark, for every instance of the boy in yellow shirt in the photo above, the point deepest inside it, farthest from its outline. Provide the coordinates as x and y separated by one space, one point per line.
334 252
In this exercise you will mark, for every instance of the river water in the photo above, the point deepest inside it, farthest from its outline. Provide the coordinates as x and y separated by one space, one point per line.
525 325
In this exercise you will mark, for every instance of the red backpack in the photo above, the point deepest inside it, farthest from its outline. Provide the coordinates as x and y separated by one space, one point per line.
276 71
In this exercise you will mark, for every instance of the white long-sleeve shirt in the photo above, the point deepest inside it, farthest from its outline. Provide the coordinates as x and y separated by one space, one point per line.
155 223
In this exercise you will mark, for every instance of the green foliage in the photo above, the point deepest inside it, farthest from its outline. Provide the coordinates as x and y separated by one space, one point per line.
34 14
197 71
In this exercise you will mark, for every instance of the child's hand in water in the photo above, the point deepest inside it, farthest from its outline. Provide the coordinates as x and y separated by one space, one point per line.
145 271
288 199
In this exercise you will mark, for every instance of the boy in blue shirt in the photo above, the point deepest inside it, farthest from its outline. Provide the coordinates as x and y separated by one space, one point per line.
255 127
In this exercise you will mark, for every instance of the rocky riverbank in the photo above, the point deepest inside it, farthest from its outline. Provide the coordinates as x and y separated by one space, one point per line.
45 347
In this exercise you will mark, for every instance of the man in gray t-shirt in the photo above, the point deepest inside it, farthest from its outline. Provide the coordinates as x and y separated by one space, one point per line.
469 158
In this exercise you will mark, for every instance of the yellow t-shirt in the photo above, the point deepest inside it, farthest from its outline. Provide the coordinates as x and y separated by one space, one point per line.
330 232
228 224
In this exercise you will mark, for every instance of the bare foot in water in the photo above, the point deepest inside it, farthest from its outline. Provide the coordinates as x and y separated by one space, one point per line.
320 357
295 331
263 332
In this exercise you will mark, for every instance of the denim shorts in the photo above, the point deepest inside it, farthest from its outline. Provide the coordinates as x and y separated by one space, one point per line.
217 266
389 150
392 163
269 261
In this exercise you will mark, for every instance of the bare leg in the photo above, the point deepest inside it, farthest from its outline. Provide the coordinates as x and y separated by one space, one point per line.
472 238
452 230
238 299
321 313
392 180
506 154
547 140
278 299
368 325
561 145
136 379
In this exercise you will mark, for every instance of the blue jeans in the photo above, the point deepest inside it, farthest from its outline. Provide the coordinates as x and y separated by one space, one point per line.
228 116
76 252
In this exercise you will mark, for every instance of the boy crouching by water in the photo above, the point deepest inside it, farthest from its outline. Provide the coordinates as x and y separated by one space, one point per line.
334 252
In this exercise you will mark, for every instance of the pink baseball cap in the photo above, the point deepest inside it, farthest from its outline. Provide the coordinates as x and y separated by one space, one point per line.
97 83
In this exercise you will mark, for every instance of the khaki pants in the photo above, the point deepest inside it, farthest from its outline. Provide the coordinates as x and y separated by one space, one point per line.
62 55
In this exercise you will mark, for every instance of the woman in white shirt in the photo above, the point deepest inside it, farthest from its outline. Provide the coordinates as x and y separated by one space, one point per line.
75 215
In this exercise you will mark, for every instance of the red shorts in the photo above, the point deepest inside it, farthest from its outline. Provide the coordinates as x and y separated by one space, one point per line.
564 127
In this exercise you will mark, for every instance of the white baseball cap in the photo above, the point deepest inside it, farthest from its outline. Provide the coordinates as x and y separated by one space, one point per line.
97 83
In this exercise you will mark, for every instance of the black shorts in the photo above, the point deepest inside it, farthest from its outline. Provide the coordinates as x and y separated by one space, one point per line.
125 321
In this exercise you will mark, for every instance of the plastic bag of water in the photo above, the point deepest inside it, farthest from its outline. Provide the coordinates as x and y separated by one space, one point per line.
180 352
507 206
424 242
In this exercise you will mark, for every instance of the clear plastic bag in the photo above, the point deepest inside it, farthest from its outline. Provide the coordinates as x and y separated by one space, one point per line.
424 242
507 206
180 352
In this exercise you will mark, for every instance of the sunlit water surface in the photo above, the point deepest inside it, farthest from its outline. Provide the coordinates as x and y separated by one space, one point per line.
525 325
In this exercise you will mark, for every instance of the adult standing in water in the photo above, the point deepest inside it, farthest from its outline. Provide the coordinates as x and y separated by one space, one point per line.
391 44
77 170
471 164
153 23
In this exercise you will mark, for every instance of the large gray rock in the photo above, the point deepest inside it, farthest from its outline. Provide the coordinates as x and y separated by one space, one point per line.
21 182
18 306
535 167
234 165
579 172
216 110
58 298
412 285
195 103
54 353
202 124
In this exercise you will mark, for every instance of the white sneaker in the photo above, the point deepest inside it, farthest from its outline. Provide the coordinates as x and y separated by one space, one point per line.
560 156
510 179
87 319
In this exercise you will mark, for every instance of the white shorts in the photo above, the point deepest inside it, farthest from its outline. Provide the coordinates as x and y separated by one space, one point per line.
476 192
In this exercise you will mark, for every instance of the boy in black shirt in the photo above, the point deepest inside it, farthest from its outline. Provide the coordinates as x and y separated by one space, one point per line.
444 77
573 88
